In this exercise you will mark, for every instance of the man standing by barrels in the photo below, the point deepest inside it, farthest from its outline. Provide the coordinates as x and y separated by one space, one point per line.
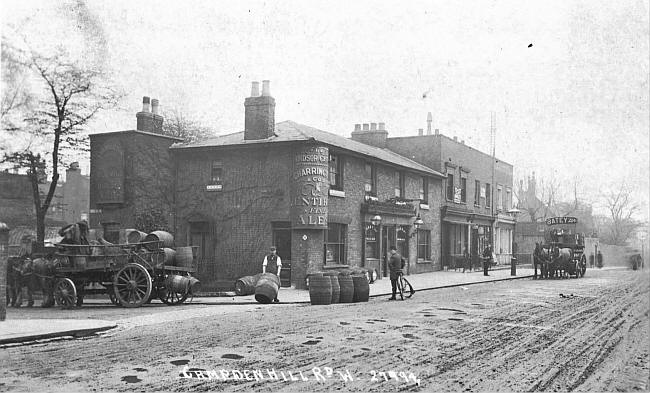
395 265
273 264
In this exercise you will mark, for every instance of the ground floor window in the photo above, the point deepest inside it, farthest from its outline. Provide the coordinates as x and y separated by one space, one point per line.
424 245
335 240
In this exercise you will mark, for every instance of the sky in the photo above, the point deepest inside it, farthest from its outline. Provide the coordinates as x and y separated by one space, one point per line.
566 80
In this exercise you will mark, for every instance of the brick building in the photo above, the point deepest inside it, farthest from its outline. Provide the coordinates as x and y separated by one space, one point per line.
476 201
131 176
311 193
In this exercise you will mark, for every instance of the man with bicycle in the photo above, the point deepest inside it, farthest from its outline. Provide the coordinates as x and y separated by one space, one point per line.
395 265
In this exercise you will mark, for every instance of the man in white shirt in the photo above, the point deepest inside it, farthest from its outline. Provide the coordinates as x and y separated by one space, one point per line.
272 264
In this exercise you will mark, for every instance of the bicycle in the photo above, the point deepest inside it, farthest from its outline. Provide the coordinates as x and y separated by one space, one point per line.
404 286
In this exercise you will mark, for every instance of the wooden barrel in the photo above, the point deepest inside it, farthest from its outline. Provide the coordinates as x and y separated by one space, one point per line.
347 288
158 239
178 284
184 256
361 288
336 289
170 256
320 290
133 236
309 276
246 285
267 288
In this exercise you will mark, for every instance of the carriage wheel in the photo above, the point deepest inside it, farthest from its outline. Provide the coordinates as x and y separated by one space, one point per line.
132 285
583 265
171 297
65 293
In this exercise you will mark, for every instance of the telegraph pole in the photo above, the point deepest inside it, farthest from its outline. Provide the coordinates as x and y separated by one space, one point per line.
493 136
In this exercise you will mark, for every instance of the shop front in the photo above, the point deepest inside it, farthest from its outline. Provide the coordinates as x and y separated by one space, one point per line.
465 235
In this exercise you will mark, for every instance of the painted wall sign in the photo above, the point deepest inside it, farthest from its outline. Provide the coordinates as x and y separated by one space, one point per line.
310 187
457 194
561 220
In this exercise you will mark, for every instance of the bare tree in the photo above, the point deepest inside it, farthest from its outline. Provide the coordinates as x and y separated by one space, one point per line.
178 125
621 207
15 97
71 96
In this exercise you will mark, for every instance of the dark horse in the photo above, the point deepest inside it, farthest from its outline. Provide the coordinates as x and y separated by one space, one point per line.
36 274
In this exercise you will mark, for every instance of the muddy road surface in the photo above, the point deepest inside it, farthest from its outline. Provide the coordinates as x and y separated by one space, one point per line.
588 334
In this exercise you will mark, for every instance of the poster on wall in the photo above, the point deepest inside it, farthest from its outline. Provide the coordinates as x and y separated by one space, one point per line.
310 187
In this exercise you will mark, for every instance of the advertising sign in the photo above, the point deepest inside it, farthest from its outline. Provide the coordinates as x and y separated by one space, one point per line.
310 187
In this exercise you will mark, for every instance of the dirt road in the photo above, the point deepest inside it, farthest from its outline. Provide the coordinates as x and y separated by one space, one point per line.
589 334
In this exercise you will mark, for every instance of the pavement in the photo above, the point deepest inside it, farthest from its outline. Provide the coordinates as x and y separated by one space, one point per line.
18 331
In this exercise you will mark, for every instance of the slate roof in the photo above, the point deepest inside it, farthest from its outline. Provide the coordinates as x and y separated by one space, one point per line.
289 131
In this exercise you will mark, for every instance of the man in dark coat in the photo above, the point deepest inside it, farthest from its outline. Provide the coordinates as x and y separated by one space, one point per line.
487 259
395 265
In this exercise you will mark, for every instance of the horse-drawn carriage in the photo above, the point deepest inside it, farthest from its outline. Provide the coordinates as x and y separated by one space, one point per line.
562 253
131 274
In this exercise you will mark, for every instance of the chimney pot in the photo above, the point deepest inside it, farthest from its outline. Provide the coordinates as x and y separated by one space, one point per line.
255 89
455 139
382 126
145 104
366 126
462 141
357 127
373 126
437 131
154 106
420 131
266 88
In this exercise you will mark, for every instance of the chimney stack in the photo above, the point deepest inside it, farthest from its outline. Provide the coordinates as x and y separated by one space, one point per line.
145 119
259 113
429 121
420 131
370 134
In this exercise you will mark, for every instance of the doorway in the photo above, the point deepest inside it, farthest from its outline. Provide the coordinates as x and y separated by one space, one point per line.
394 235
282 242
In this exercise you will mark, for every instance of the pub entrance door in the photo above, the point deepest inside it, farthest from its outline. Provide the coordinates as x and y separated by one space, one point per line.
282 241
394 235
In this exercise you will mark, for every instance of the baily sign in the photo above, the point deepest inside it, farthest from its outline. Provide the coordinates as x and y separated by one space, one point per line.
310 187
561 220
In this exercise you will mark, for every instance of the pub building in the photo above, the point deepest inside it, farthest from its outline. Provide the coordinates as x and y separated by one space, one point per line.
324 200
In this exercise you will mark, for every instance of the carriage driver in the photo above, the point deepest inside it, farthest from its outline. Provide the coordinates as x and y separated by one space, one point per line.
274 264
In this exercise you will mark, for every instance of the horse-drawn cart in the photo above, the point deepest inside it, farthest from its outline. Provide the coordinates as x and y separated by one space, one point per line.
562 252
130 274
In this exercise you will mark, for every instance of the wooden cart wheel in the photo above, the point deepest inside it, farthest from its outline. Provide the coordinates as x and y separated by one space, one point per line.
171 297
132 285
65 293
583 267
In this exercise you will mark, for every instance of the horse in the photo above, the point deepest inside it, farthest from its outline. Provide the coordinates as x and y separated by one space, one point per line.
36 274
561 261
541 258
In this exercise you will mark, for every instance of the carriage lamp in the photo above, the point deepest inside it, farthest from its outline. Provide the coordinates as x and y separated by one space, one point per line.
417 224
376 220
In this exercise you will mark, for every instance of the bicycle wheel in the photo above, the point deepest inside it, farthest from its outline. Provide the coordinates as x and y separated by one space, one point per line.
408 288
400 286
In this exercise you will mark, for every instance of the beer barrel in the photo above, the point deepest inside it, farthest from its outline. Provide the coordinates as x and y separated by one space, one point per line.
133 236
361 288
158 239
170 256
184 256
336 288
267 288
320 290
246 285
346 288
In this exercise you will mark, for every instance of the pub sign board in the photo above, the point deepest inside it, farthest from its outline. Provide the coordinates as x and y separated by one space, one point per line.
310 187
561 220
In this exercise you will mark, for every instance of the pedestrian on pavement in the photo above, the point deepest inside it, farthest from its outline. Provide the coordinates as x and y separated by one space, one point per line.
536 261
487 259
395 265
467 262
273 264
